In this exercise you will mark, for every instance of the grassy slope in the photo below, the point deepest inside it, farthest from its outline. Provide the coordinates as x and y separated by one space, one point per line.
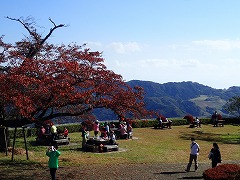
204 101
148 146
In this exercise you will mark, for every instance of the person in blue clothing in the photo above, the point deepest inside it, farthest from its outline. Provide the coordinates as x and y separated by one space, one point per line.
53 154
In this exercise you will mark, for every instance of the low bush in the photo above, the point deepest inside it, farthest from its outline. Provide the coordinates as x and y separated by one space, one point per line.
143 123
135 124
223 172
232 121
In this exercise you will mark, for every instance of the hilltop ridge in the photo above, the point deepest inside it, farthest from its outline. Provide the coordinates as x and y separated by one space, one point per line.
176 99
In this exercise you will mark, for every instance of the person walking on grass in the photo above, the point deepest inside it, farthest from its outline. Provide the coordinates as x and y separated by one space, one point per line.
53 155
215 155
195 148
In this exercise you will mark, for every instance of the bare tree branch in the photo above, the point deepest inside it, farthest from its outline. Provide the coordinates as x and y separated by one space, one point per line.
51 30
38 41
31 32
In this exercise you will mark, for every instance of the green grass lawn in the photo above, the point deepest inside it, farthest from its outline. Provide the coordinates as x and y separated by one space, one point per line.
148 146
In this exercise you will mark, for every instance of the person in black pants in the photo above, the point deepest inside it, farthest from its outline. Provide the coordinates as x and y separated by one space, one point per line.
215 155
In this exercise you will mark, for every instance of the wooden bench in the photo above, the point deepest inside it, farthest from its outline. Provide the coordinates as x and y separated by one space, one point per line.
91 148
164 124
108 148
194 124
96 148
62 141
219 123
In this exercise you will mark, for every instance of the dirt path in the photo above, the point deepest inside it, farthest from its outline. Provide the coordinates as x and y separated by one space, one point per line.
109 172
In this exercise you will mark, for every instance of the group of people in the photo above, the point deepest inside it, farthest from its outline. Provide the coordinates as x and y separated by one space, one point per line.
125 130
163 121
214 155
215 118
52 130
197 122
53 153
108 130
102 131
99 132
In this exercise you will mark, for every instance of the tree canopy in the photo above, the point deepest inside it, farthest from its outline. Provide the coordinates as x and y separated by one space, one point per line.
41 81
233 106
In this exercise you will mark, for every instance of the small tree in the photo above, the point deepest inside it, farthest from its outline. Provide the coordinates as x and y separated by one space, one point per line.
233 106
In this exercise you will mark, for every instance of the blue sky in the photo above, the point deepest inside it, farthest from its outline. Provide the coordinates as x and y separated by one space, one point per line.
153 40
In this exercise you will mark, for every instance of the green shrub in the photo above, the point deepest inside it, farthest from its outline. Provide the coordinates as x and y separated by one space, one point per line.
223 172
71 127
135 124
19 132
179 122
232 120
33 131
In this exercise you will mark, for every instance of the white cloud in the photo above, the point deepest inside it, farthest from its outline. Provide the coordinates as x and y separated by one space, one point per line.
121 48
213 63
95 44
170 63
219 44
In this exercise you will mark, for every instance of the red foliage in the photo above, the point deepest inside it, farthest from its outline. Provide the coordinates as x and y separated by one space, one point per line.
163 118
189 118
62 81
218 116
223 172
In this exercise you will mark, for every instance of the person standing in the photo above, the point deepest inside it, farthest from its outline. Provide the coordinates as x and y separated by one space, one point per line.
215 155
107 129
84 136
53 154
195 148
198 122
54 133
96 128
65 132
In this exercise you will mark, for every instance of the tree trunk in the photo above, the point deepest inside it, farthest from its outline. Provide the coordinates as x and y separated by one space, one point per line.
4 139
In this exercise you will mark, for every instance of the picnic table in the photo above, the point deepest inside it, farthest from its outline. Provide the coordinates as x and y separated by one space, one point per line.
195 124
219 122
97 141
61 139
94 144
47 139
163 124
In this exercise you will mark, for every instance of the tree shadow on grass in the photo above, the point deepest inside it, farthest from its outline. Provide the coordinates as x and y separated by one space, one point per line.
210 137
13 170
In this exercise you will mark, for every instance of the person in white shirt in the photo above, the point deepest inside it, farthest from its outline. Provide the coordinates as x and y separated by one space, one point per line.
195 148
198 122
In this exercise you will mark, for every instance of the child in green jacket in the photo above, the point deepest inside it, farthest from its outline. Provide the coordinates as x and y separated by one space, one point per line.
53 155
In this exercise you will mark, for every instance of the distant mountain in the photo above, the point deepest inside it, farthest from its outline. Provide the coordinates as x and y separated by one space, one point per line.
176 99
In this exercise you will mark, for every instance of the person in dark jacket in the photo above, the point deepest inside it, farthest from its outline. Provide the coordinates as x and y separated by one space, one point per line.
215 155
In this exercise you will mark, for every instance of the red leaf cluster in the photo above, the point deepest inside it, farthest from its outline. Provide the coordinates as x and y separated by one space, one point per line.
189 118
223 172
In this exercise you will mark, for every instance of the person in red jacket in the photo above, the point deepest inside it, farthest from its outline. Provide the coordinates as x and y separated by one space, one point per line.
65 132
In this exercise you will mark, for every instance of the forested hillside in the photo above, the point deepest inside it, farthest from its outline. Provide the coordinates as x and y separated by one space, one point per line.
176 99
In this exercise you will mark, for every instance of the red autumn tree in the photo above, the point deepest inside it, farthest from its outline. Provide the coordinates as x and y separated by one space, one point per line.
41 81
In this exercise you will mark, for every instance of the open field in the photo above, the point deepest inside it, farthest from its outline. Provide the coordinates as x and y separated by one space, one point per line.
149 147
